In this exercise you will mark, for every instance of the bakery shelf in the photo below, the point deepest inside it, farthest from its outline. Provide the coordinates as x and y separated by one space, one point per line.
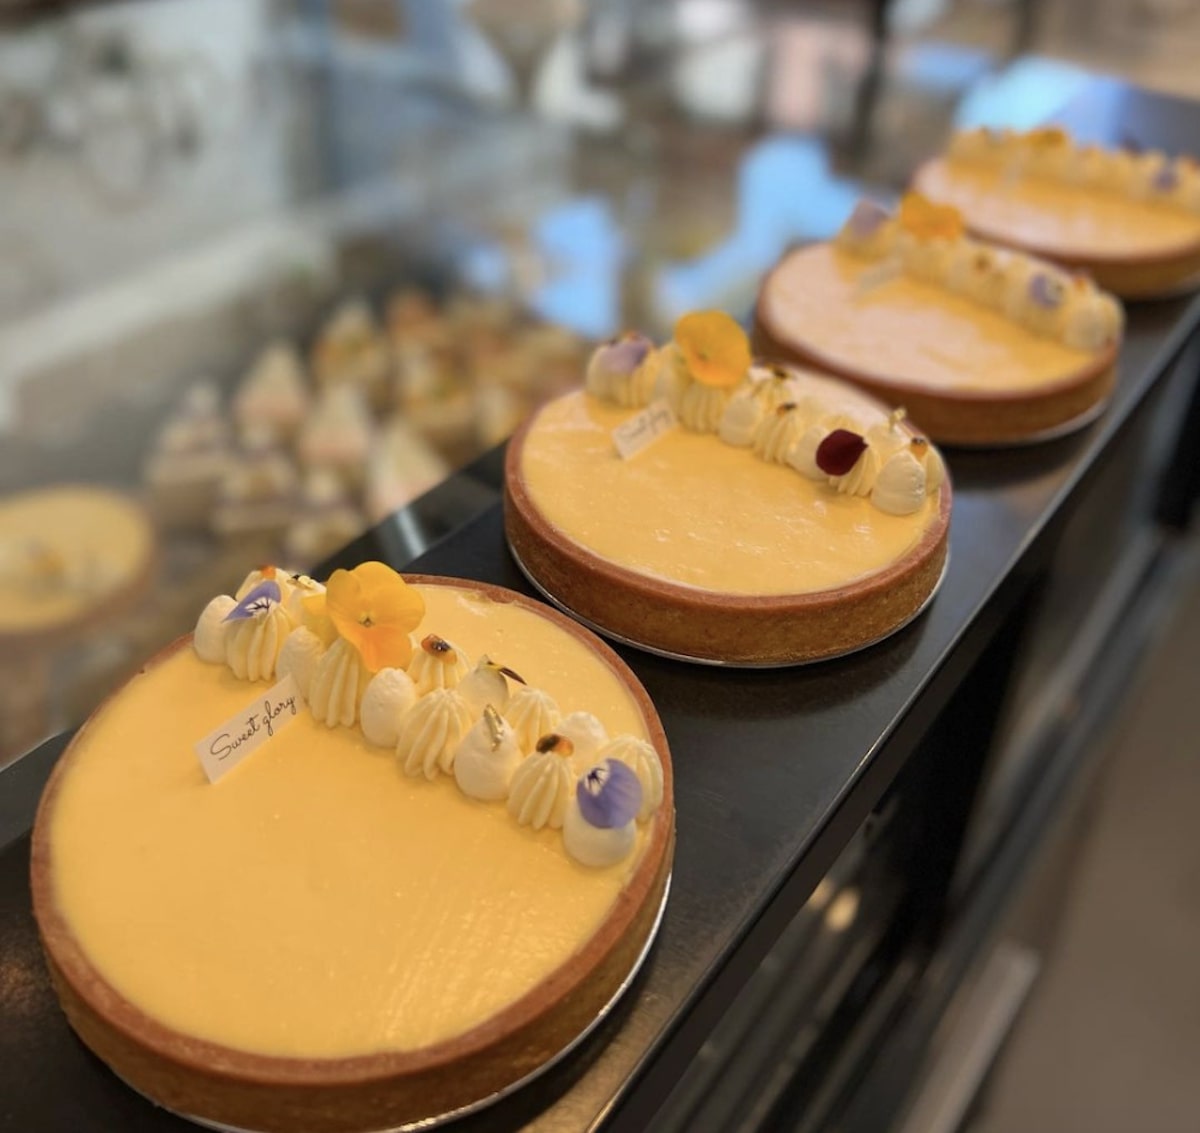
795 787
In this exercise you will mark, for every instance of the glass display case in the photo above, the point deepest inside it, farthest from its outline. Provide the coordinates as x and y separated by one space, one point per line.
284 275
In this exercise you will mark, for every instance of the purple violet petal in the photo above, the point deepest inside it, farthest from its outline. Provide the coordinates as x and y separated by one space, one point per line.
609 795
259 600
839 452
1045 291
867 218
626 354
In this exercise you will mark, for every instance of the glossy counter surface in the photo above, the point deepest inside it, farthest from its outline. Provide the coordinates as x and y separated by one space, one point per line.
775 770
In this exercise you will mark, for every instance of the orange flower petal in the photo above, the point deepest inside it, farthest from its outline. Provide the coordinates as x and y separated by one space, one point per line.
928 221
714 347
385 648
374 609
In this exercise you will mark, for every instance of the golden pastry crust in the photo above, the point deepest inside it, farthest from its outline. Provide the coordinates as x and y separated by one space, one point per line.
351 1095
969 416
706 626
1128 277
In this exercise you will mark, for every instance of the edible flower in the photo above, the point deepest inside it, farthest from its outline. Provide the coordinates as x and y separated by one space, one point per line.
1046 291
928 221
265 595
714 347
609 795
374 609
867 218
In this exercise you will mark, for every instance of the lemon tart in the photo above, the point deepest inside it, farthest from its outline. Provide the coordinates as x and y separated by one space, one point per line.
440 857
1129 219
980 345
779 516
71 556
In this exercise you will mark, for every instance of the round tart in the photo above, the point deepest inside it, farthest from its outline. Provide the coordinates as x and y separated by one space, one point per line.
979 344
725 540
70 557
427 881
1131 220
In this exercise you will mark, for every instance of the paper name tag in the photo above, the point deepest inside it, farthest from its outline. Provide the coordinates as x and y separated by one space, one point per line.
643 429
229 743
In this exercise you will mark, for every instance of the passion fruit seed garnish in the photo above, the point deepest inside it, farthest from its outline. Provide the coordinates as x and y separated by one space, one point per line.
437 647
560 745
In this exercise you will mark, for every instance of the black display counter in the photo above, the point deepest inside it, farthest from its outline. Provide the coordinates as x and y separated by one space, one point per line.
856 777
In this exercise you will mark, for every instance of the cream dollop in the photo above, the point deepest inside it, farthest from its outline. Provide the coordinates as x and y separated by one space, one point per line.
1092 320
436 663
935 470
741 419
780 431
533 714
701 407
541 787
208 639
586 734
803 454
487 757
594 845
641 758
253 645
338 683
862 476
296 588
624 371
431 732
486 684
900 486
928 260
299 657
390 694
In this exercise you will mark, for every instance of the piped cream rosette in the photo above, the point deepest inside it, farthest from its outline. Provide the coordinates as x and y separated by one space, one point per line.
707 376
927 241
1049 153
350 649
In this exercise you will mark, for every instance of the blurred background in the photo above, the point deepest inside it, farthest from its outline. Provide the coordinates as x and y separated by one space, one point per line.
270 269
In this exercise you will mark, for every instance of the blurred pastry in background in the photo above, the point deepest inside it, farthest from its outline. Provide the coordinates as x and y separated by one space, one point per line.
425 371
498 413
72 558
402 466
554 357
274 393
353 351
413 318
327 519
188 460
257 497
337 434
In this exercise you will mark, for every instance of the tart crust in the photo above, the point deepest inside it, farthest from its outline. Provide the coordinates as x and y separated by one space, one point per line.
968 417
708 626
1128 277
198 1078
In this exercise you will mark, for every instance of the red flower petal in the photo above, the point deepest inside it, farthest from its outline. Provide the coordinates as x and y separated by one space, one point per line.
839 452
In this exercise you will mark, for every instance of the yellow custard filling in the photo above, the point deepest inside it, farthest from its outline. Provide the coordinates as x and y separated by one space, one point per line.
908 330
1074 221
79 530
316 902
694 511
